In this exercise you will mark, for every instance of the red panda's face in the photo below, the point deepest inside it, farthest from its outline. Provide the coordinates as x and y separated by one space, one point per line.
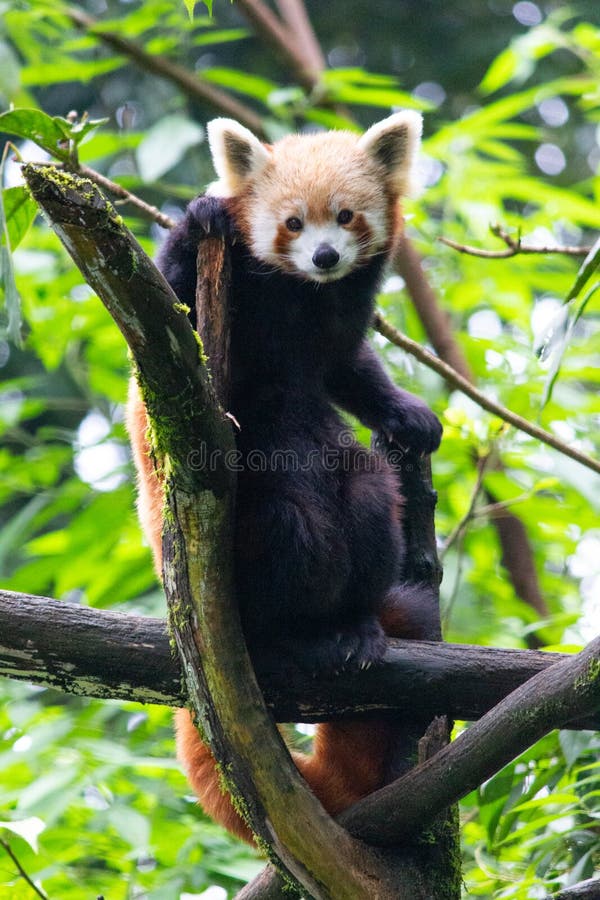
317 206
318 221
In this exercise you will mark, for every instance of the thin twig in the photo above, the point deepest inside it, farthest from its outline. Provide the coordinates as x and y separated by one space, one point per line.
514 247
150 212
22 871
456 380
464 521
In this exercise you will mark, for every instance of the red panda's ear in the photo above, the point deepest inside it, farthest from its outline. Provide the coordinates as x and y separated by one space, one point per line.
236 153
394 144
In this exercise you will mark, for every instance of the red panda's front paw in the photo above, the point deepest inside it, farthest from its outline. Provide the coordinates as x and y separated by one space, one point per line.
413 427
210 215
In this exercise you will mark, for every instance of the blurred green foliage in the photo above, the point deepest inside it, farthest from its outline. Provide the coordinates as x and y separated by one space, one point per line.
92 801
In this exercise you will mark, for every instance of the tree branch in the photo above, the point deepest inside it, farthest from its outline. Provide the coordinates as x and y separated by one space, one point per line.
296 18
546 701
112 655
125 196
396 811
192 85
585 890
176 383
457 380
22 872
282 40
514 247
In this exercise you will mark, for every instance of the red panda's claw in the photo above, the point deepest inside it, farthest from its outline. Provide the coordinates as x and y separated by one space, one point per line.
233 419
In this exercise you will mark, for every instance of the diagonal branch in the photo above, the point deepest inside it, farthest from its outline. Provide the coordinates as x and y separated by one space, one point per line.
585 890
514 247
282 40
192 85
22 872
293 12
457 380
541 704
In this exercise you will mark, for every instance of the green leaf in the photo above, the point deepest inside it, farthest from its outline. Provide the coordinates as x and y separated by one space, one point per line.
9 73
46 131
131 826
28 829
357 76
19 210
12 299
84 127
221 36
560 350
237 80
70 70
517 62
587 269
343 92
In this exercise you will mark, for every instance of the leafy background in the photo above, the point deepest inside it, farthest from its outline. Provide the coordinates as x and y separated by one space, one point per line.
91 799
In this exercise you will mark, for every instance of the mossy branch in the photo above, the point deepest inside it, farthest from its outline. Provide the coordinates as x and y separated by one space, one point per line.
568 688
114 655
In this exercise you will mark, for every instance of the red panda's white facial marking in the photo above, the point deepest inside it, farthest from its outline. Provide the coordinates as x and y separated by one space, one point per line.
318 205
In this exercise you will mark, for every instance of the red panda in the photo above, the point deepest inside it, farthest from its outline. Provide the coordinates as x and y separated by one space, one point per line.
319 544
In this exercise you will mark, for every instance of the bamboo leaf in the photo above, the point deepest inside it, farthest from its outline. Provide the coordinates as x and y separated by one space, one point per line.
561 349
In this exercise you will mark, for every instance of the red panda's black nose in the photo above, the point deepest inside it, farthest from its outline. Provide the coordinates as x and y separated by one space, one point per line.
325 257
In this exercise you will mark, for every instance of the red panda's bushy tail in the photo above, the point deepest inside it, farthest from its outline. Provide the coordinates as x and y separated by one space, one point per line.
347 763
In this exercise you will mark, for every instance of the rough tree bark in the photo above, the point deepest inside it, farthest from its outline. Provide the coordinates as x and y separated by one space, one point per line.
112 655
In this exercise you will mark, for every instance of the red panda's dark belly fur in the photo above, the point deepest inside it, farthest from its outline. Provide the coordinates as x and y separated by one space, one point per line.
318 540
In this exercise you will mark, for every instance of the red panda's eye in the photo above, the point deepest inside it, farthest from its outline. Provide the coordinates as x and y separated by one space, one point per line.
293 224
345 216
